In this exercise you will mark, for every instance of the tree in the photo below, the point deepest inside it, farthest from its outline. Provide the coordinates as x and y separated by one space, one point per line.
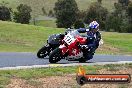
118 8
130 9
100 1
79 24
51 14
44 11
113 23
119 20
124 2
98 13
81 14
66 13
23 14
5 13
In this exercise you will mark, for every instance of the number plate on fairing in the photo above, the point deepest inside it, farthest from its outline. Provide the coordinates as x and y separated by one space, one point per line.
69 39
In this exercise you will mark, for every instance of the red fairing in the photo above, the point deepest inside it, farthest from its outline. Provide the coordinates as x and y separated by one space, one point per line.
73 48
64 50
81 40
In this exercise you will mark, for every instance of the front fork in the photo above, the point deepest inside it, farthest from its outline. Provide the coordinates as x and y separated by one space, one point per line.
48 48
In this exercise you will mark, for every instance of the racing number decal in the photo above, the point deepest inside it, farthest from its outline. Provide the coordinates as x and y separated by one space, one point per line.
69 39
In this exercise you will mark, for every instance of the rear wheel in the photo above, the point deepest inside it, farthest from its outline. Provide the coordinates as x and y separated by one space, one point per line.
87 56
43 52
55 56
82 60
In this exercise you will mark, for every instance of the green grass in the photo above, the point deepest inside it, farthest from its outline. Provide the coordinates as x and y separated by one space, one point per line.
45 23
24 38
123 41
30 74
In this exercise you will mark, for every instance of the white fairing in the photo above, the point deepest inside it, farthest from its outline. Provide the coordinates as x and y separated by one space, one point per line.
61 46
76 56
101 42
69 39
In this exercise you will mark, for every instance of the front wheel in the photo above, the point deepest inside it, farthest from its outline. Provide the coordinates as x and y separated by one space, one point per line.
55 56
43 52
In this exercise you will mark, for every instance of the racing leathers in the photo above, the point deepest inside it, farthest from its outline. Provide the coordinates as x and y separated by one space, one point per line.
92 42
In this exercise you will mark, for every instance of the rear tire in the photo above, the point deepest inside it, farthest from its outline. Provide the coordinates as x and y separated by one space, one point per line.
43 52
87 56
82 60
55 56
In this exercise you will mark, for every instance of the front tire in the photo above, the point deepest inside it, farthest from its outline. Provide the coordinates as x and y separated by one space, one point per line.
43 52
55 56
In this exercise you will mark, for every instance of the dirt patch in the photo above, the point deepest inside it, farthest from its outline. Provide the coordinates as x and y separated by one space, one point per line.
18 83
67 81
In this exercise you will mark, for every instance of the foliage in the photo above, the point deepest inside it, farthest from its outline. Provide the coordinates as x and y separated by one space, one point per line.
81 14
121 19
66 13
23 14
124 2
98 13
44 11
51 13
118 8
100 1
112 23
79 24
5 13
130 9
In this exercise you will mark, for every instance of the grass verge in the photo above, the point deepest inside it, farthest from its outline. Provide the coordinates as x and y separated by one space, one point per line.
24 38
46 23
120 42
30 74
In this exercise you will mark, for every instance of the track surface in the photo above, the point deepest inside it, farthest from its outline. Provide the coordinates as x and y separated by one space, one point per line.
29 59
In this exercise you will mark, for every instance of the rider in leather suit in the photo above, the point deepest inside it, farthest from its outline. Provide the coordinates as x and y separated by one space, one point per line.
93 38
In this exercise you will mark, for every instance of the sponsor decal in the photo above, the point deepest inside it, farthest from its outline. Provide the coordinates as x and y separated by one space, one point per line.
83 78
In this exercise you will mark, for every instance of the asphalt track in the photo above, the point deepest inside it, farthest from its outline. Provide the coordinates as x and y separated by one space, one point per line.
30 59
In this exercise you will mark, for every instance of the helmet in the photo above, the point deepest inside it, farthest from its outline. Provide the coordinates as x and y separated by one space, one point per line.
93 25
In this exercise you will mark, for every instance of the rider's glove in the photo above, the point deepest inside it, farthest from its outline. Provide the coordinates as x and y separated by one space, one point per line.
84 46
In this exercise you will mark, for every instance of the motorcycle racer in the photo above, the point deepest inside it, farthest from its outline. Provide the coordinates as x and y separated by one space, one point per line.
93 37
